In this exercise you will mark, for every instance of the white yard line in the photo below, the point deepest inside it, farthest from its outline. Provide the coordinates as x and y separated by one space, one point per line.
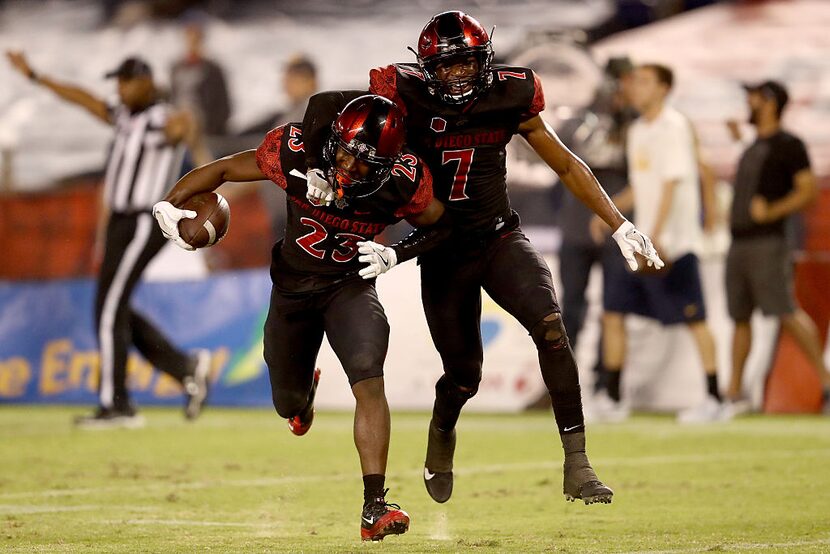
471 470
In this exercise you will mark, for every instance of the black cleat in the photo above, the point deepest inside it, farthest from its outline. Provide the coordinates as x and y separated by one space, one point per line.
110 418
197 386
438 465
581 483
381 518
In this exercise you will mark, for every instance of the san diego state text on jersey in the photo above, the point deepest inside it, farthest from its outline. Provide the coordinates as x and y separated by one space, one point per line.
464 146
320 244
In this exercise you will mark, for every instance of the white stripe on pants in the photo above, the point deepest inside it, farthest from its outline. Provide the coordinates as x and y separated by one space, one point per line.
144 225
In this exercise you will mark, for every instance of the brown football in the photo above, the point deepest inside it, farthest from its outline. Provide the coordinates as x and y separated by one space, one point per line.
211 222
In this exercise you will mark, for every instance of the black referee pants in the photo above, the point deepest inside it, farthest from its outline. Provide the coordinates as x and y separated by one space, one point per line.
132 241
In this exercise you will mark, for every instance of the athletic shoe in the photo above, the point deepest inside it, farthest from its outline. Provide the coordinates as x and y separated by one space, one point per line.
197 386
381 518
580 481
300 424
438 464
708 411
110 418
603 409
735 408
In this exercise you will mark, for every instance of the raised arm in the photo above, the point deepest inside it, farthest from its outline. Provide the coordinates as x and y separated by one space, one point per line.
322 109
70 93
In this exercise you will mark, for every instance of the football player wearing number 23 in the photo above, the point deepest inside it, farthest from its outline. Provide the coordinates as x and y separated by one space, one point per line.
461 112
323 270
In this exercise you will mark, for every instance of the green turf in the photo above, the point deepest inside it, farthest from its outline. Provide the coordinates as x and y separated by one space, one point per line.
238 481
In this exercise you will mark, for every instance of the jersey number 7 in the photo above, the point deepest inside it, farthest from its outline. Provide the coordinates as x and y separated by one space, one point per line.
465 160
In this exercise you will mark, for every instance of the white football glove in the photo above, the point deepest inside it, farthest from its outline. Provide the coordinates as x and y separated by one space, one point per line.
632 241
168 217
320 192
379 258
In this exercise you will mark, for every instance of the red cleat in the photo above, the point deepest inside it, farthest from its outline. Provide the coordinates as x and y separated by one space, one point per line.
300 424
381 518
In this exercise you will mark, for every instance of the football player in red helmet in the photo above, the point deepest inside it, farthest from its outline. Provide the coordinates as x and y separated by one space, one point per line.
455 54
373 134
461 111
323 270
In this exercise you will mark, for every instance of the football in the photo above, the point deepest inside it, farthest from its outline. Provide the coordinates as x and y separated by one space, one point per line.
213 216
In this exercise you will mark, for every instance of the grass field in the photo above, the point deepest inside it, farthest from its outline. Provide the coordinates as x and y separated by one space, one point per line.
238 481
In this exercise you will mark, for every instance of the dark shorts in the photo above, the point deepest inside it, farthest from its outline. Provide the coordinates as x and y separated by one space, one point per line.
508 268
674 295
353 320
759 274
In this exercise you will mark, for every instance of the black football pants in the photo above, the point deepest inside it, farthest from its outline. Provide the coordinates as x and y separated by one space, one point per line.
516 277
352 318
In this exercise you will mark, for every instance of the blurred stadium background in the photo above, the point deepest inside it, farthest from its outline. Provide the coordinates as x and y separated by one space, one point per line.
52 156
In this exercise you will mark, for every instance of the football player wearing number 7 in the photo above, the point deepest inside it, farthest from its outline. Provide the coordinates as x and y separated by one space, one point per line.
461 113
318 283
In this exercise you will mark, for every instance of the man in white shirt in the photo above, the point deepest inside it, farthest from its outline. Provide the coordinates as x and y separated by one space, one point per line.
664 189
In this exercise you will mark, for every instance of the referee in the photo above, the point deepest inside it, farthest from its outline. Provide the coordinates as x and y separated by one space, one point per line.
146 159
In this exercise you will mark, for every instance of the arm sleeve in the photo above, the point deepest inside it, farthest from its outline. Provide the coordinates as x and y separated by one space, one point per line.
422 197
322 110
423 239
797 157
268 157
383 81
537 103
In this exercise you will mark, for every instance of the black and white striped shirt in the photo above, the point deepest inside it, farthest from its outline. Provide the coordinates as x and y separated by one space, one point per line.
142 165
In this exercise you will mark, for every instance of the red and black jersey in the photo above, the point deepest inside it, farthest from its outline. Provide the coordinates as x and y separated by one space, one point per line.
319 248
464 146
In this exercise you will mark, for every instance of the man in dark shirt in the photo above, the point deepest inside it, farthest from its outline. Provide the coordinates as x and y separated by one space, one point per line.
773 181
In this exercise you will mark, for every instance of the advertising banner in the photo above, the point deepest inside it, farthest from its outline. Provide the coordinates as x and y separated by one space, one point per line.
48 350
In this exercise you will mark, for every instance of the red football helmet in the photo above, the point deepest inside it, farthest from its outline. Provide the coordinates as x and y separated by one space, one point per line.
371 129
449 38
